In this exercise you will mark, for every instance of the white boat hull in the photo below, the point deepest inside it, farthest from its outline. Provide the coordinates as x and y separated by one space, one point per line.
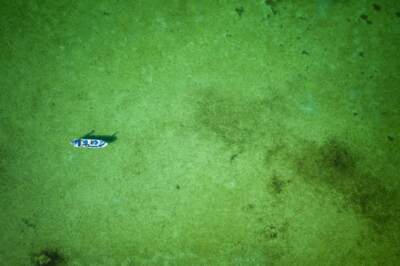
89 143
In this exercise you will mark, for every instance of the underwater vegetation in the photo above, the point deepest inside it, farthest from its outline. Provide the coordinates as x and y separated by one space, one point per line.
335 164
278 184
48 257
239 11
235 121
338 165
272 5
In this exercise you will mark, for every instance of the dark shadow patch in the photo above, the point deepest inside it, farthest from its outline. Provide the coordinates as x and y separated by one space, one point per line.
335 164
233 157
249 207
390 138
48 257
239 120
376 7
235 121
273 152
239 11
278 185
107 138
29 223
273 232
272 4
375 202
337 157
366 19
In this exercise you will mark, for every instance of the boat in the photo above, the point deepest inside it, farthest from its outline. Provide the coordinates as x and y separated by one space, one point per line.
89 143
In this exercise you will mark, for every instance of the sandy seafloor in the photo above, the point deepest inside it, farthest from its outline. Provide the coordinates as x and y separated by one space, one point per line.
249 132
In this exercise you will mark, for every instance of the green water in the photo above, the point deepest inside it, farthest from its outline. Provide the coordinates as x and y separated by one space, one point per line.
249 132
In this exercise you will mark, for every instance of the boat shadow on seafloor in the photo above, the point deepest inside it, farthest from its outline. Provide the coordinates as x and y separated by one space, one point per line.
107 138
